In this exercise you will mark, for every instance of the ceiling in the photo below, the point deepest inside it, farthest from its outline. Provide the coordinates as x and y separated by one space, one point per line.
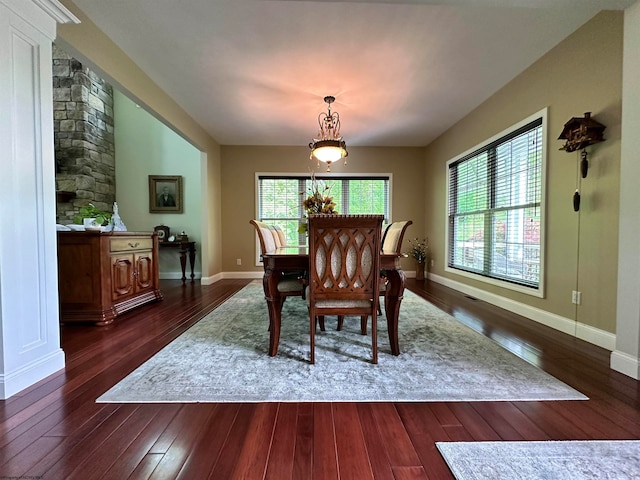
254 72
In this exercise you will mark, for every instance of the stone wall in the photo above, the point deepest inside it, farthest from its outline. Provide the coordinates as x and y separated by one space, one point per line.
83 136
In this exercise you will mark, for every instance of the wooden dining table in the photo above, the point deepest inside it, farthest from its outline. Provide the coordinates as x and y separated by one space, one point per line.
295 259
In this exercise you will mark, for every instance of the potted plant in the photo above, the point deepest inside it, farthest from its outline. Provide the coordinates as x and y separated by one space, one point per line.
419 253
100 217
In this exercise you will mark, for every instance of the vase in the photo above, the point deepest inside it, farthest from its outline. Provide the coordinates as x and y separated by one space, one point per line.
420 271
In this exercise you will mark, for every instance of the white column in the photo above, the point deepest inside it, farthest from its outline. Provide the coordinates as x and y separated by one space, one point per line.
29 327
626 356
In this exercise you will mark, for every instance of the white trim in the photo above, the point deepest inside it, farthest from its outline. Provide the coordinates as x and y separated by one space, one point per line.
57 11
584 332
536 292
178 275
625 363
31 373
211 279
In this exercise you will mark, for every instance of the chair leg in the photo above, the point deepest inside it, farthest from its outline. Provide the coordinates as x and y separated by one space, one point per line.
374 337
312 339
363 324
321 322
340 322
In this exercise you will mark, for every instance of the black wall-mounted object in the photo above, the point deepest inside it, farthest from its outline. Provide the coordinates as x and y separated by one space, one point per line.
578 133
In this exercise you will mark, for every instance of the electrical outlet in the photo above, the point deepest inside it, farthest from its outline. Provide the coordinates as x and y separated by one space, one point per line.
433 262
576 297
238 261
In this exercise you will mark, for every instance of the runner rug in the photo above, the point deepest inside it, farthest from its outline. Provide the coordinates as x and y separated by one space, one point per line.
551 460
224 358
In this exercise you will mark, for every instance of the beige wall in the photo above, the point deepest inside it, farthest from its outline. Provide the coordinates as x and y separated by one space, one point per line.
91 46
583 73
239 165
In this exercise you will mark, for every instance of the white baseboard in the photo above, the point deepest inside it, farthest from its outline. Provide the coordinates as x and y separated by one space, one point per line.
178 276
229 275
626 364
584 332
27 375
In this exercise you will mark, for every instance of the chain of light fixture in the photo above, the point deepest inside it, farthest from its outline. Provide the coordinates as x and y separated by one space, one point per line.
329 146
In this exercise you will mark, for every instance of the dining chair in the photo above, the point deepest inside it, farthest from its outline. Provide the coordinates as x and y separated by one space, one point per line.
278 236
391 244
289 284
344 270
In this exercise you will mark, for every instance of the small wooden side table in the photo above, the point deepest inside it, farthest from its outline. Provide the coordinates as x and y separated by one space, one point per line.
185 247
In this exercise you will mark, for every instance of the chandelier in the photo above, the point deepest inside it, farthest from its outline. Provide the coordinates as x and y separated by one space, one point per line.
329 146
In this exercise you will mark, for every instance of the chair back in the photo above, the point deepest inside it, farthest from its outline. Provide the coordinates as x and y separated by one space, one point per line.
265 236
278 236
344 270
393 235
344 259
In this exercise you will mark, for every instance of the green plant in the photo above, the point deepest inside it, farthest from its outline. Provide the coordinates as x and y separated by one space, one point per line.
91 211
418 249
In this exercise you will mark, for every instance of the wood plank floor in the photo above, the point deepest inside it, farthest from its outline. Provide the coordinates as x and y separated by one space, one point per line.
55 430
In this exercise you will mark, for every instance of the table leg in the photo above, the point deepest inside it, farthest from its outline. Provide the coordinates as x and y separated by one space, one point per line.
192 259
392 300
274 305
183 263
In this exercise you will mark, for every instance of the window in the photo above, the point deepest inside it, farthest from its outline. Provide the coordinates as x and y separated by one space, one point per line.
495 209
280 198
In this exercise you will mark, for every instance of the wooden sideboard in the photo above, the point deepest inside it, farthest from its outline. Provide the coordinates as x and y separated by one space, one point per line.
104 274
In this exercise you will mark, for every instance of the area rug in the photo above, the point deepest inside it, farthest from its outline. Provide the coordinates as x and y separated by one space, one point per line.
224 358
557 460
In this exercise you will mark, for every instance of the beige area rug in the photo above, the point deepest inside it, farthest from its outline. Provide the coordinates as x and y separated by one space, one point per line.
552 460
224 358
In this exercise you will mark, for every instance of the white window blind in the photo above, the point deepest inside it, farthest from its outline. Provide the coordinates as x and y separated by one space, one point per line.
280 199
494 208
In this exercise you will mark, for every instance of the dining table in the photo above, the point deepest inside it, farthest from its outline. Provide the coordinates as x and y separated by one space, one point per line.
295 259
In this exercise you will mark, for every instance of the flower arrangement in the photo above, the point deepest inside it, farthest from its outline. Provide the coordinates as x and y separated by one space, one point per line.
418 249
317 201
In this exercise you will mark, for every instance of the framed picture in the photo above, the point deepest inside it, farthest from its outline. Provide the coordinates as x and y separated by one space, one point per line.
165 194
163 233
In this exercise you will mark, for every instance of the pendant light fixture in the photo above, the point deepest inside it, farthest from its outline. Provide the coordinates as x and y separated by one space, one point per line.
329 147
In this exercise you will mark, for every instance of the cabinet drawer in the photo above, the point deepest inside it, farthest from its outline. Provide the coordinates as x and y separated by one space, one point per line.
130 244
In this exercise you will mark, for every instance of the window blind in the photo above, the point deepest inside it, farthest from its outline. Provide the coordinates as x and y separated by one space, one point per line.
280 198
494 208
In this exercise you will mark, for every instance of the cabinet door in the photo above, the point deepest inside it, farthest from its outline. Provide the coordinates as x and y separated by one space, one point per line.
122 275
144 274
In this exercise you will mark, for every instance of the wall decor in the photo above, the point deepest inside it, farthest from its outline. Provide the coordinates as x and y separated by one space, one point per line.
165 194
579 133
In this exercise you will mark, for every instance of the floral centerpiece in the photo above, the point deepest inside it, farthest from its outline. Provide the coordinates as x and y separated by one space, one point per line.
317 201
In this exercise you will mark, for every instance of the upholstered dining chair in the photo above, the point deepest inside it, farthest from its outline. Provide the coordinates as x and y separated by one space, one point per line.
289 284
393 236
344 270
278 236
391 244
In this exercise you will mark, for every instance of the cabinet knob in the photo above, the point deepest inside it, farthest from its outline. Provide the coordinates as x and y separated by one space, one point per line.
134 245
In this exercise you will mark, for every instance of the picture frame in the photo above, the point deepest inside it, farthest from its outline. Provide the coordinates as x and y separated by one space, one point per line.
165 194
163 233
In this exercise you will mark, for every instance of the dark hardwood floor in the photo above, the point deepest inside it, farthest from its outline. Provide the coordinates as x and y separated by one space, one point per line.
55 430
